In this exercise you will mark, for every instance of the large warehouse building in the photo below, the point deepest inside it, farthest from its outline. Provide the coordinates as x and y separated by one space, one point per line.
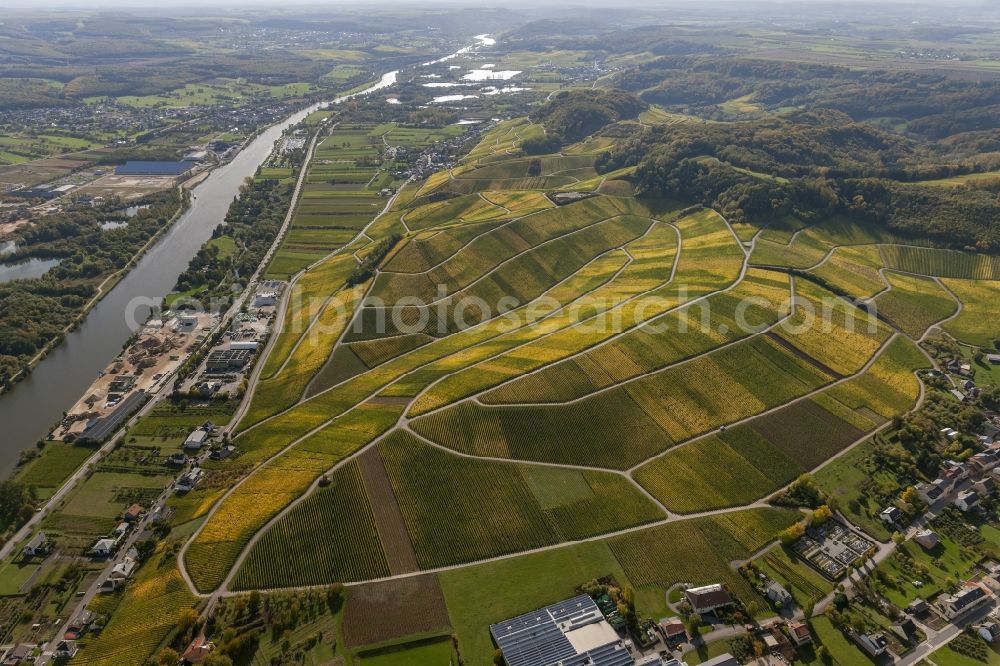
568 633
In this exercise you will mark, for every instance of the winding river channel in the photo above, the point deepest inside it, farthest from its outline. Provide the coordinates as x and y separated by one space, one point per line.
30 409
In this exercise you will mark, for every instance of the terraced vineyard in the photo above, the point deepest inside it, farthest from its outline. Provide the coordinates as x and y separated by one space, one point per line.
525 370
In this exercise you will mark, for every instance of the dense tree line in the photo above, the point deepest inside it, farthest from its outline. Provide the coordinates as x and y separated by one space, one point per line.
34 312
371 260
962 218
812 164
87 250
252 221
17 503
807 143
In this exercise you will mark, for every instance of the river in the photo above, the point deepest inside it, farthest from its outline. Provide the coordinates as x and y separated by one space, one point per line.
30 409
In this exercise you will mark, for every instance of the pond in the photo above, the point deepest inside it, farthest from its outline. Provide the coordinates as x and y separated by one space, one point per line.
30 268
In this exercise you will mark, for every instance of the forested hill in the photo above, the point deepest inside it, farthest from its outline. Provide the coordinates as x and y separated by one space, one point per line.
800 147
572 115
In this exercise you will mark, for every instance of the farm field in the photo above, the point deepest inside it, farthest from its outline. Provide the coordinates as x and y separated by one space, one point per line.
914 303
150 608
168 424
340 506
340 196
391 610
483 498
853 270
608 302
975 325
647 392
942 263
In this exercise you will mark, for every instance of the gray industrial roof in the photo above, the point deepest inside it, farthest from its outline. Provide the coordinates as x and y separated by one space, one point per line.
539 638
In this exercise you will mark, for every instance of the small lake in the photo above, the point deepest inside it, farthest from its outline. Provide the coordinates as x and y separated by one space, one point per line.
30 268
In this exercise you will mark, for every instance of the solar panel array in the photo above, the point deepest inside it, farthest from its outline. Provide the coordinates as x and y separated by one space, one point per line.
538 638
143 168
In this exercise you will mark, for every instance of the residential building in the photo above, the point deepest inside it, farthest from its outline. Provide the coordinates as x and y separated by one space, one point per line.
134 513
104 548
906 629
160 513
37 545
890 515
65 650
79 625
708 598
955 472
776 592
673 631
874 644
195 440
17 655
223 452
927 539
990 631
189 480
967 500
985 487
985 461
954 605
928 492
799 631
124 569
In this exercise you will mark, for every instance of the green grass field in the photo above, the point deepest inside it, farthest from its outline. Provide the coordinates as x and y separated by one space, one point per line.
845 652
430 652
53 466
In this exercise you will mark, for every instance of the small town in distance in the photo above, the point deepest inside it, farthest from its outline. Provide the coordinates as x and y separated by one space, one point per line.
500 335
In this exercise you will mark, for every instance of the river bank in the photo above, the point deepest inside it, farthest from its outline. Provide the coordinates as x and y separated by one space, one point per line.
59 378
